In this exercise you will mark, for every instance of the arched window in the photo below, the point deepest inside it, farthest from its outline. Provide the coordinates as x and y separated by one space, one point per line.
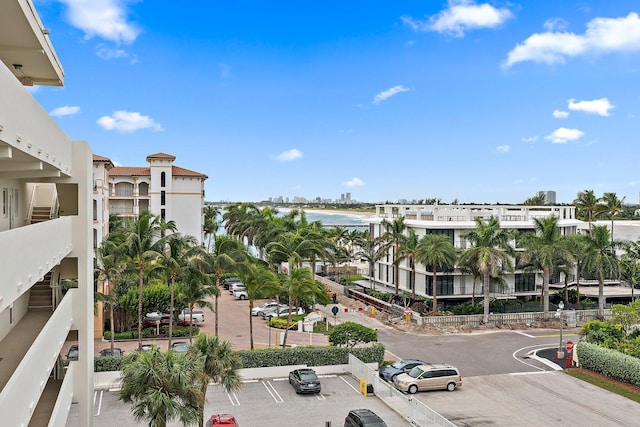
163 179
162 198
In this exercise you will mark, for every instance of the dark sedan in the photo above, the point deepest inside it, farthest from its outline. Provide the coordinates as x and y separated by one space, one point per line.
389 372
304 381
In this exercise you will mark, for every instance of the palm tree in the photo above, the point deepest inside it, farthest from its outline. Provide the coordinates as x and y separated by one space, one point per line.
490 251
537 200
371 250
600 259
194 289
408 251
162 386
394 235
179 255
144 246
612 206
576 245
545 247
259 282
220 365
211 223
299 283
586 204
630 265
435 250
226 254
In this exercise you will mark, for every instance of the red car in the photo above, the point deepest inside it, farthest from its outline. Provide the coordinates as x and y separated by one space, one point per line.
222 420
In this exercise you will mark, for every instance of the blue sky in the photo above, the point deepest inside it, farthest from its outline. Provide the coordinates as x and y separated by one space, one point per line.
480 101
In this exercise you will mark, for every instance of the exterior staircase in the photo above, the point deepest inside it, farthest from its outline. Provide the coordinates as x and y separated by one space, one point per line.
40 213
40 297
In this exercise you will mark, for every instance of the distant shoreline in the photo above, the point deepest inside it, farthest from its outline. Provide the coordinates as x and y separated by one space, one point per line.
332 211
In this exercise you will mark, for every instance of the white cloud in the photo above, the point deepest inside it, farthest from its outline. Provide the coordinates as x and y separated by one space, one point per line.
67 110
503 148
355 182
529 138
107 53
603 35
287 156
600 106
383 96
555 24
106 19
125 121
559 114
563 135
461 16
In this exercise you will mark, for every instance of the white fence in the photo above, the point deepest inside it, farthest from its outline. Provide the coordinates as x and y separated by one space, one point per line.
416 412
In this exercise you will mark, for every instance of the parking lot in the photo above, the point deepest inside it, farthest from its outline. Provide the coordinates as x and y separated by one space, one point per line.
265 403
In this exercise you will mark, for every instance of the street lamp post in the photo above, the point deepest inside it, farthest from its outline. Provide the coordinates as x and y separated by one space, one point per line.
560 308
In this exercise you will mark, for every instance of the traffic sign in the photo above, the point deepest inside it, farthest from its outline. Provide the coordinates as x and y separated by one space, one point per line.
407 311
334 310
569 345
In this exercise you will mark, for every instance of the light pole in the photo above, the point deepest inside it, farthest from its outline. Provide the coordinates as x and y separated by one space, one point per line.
560 308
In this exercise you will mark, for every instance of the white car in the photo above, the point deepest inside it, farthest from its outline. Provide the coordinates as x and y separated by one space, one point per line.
284 312
240 294
198 316
255 311
235 287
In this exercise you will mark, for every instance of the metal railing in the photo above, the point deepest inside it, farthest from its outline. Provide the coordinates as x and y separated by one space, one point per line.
416 412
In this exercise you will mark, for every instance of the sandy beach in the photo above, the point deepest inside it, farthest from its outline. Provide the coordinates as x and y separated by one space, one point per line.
332 212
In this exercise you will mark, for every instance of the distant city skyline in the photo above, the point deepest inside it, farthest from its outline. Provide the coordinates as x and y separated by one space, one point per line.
475 100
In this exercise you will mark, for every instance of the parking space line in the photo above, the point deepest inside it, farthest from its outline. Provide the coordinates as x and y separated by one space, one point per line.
95 396
233 398
272 391
349 384
320 396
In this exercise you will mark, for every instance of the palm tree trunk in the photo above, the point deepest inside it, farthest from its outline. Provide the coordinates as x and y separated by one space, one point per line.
251 323
413 280
545 290
485 303
434 268
215 315
173 281
112 327
578 284
396 268
473 291
140 267
286 331
600 296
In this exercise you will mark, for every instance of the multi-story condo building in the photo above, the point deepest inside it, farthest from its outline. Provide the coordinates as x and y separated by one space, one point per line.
453 221
174 193
45 237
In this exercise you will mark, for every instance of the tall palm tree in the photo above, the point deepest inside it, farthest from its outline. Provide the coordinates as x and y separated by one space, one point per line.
546 248
259 282
490 251
226 254
408 251
537 200
611 207
435 250
394 235
162 386
220 365
211 223
194 290
576 245
630 265
600 259
371 250
299 283
179 255
144 246
586 203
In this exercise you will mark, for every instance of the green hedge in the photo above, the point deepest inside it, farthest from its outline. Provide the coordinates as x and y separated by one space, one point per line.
178 331
278 323
107 363
311 356
609 362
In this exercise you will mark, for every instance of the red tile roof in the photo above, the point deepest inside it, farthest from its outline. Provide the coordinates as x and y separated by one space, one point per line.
161 156
143 171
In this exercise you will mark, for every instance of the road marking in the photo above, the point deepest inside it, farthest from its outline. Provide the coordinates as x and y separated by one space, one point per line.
557 335
233 398
272 391
349 384
526 335
530 373
95 395
527 347
320 396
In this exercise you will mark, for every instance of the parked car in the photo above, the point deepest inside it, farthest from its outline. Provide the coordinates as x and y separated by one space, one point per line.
255 311
222 420
117 352
304 380
389 372
429 377
363 418
73 352
236 287
284 312
180 347
267 311
197 316
240 294
145 347
228 281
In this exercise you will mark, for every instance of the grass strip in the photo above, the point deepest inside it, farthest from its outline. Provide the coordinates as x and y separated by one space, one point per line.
617 387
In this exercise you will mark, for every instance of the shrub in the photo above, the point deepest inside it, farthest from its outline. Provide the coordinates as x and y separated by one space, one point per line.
599 332
310 356
610 363
178 331
466 309
107 363
350 334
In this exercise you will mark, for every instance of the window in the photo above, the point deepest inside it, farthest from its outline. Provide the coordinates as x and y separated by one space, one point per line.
5 201
446 232
163 179
525 282
162 213
163 197
444 283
